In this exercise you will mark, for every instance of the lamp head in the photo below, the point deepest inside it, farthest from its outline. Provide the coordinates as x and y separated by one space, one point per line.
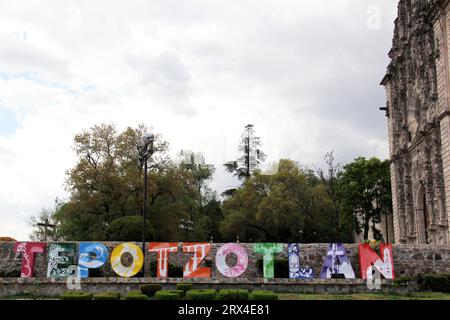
147 139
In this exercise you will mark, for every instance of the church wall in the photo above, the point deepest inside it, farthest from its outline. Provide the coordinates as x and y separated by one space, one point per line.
442 36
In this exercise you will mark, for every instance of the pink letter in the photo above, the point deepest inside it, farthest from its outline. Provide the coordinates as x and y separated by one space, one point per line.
242 260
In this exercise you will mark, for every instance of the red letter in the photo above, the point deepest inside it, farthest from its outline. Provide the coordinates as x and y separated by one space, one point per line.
368 258
162 250
200 250
28 251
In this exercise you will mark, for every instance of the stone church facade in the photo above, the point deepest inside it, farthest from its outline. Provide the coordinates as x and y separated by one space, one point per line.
418 108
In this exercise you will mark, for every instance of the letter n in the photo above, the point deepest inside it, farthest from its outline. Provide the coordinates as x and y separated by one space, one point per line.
368 259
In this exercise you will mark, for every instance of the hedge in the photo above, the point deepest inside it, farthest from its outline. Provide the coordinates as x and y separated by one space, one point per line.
150 289
107 296
184 287
230 294
434 282
169 295
135 295
263 295
76 295
202 294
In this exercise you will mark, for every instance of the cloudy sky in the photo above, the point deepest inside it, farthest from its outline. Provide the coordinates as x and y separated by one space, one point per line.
305 73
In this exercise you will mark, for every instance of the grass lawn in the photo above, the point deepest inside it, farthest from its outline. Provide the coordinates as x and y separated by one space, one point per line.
366 296
304 296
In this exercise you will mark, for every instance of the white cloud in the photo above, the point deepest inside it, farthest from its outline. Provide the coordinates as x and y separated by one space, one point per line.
305 73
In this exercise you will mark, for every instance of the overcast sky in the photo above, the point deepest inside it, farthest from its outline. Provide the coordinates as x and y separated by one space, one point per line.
305 73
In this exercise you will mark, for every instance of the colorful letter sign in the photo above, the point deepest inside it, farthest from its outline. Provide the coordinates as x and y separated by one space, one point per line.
268 250
28 251
60 258
295 271
368 259
85 262
162 250
192 269
242 260
336 262
134 267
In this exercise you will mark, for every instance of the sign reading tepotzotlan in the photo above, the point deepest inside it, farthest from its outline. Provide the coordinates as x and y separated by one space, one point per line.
94 255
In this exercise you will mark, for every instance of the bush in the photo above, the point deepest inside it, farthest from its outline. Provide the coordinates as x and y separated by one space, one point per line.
135 295
281 267
184 287
173 272
76 295
230 294
263 295
169 295
402 280
202 294
150 289
107 296
434 282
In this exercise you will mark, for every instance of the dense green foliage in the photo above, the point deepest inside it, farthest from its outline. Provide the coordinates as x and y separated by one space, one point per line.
233 294
434 282
135 295
169 295
201 294
76 295
150 289
184 287
107 296
263 295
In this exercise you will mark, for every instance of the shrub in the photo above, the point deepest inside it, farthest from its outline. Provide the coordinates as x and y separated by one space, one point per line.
263 295
202 294
281 267
107 296
76 295
169 295
184 287
434 282
150 289
230 294
135 295
402 280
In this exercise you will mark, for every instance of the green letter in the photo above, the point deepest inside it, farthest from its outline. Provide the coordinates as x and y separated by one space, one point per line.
268 250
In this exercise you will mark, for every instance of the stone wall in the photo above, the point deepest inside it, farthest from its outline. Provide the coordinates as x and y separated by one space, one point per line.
52 287
408 260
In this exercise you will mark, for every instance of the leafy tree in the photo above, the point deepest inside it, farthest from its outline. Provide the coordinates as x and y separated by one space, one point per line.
106 184
366 193
45 226
128 228
250 155
330 181
283 207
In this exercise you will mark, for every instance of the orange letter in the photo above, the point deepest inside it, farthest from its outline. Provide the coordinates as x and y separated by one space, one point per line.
200 250
162 250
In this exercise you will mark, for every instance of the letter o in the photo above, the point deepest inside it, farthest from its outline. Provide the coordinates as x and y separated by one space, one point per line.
241 265
135 267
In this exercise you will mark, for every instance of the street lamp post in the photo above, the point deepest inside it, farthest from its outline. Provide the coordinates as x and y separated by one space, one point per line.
145 152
